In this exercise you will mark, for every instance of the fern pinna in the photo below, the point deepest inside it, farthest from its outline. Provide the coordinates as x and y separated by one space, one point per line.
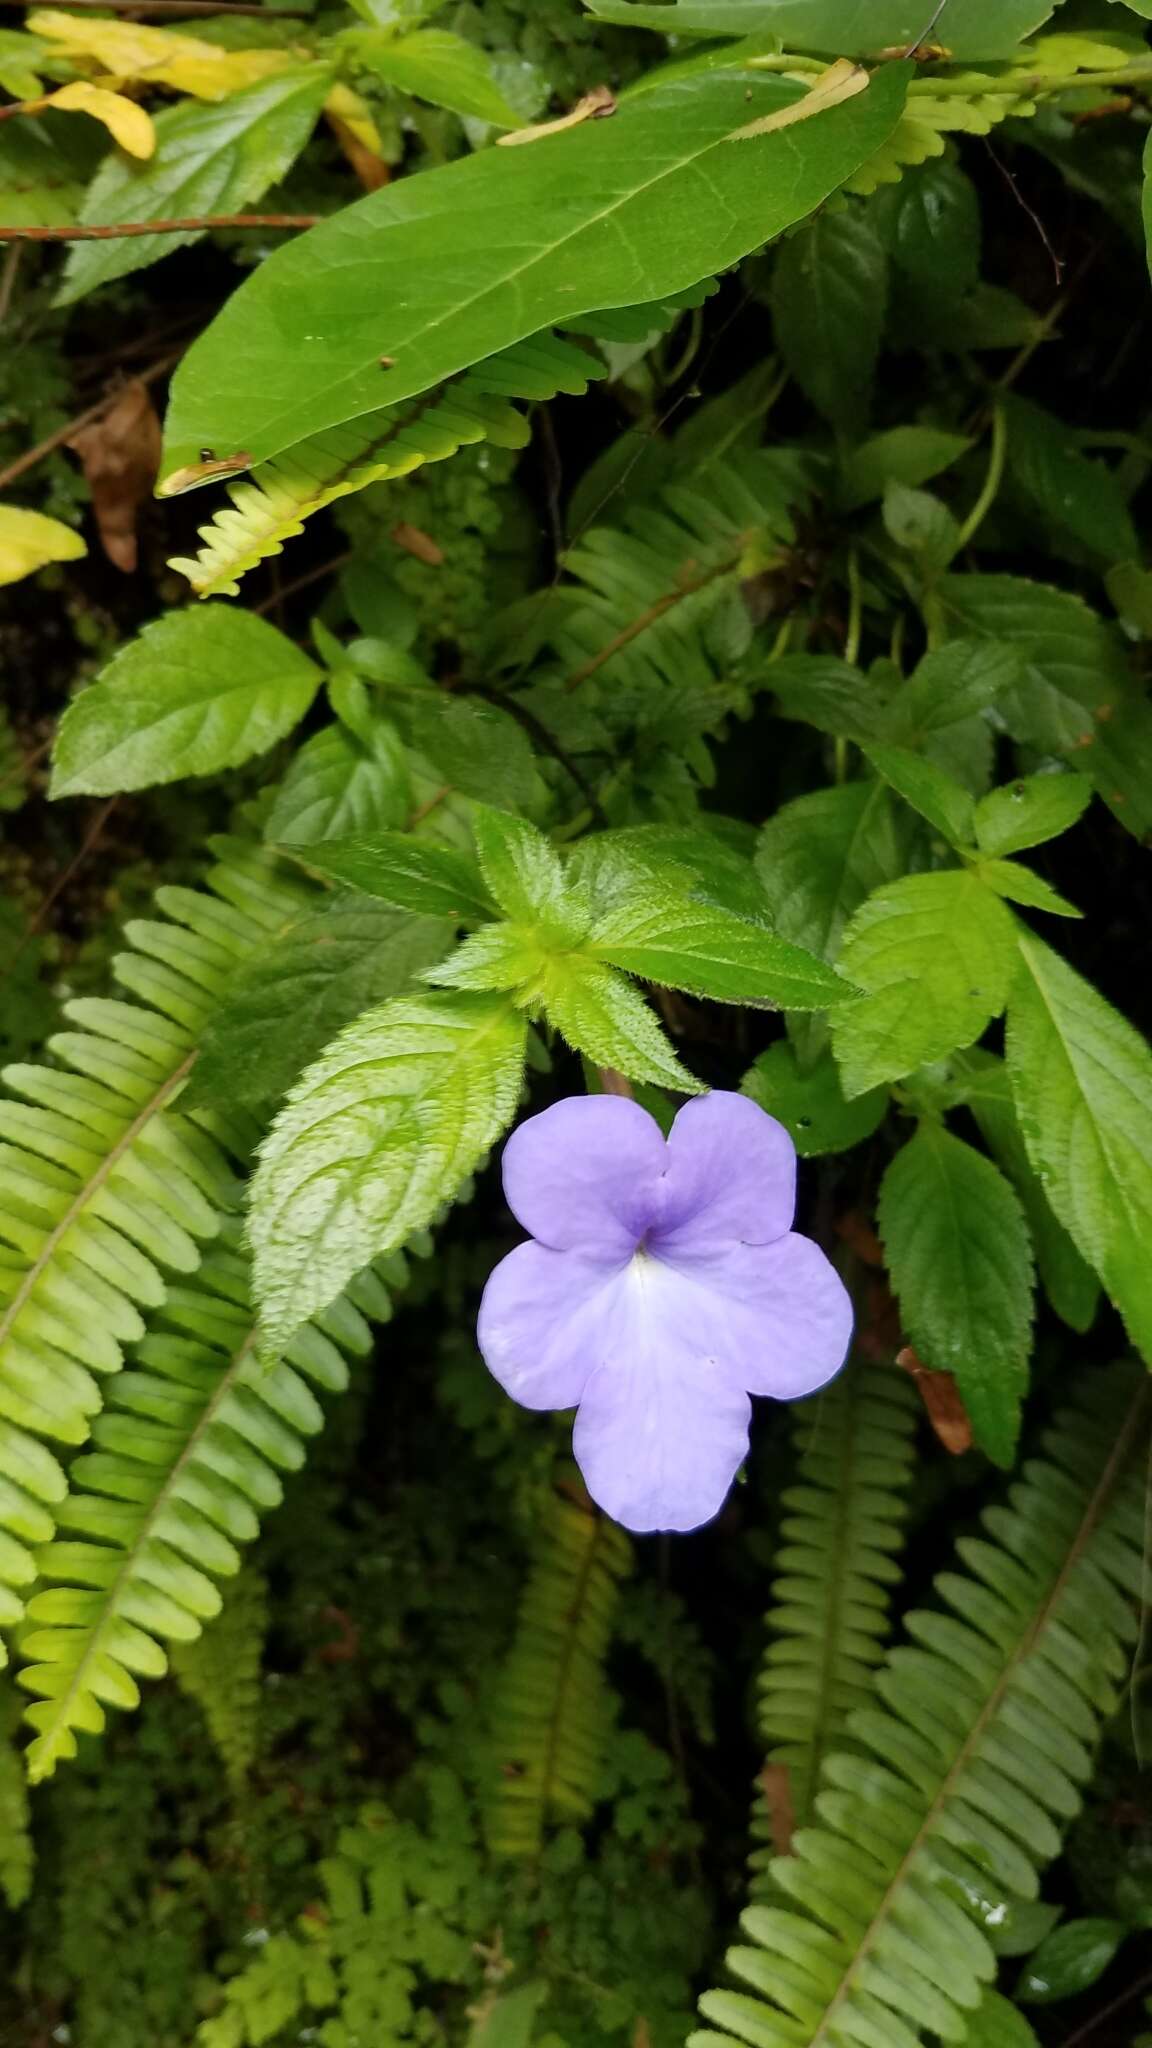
967 1765
107 1187
552 1705
836 1566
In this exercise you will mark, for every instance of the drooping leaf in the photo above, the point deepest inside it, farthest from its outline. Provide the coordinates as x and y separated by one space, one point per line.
810 1102
821 855
411 874
936 954
160 56
435 65
376 1137
127 123
572 224
1067 487
929 789
196 692
961 1266
1082 1080
280 1014
1028 812
903 455
706 951
209 159
829 292
1019 884
852 28
28 541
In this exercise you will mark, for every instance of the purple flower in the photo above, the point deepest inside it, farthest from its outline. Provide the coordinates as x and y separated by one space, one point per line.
663 1286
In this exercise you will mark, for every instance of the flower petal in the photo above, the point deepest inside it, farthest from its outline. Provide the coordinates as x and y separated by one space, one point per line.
663 1424
779 1314
547 1319
731 1175
582 1175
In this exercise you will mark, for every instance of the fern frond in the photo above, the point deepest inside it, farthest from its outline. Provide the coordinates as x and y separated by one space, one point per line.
928 118
15 1837
221 1672
272 505
106 1187
188 1454
552 1705
969 1762
831 1599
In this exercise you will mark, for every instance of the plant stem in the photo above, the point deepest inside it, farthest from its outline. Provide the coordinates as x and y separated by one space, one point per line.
193 225
992 481
62 434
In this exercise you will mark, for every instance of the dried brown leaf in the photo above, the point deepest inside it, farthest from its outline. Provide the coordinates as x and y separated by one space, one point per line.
120 452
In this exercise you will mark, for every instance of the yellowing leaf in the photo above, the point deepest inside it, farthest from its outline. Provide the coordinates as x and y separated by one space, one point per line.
129 50
350 118
841 81
28 540
127 123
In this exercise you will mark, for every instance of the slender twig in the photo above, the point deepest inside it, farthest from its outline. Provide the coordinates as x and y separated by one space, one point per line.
8 280
1093 2025
1057 261
194 225
924 34
310 576
51 442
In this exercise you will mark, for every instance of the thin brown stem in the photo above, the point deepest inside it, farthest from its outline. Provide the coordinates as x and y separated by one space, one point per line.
51 442
193 225
309 577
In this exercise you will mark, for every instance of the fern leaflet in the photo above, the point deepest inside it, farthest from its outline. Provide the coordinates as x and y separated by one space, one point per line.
969 1762
552 1704
221 1669
836 1566
106 1186
188 1453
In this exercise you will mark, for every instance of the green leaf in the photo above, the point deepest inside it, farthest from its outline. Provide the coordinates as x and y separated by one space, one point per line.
1077 697
437 66
1022 885
511 2021
411 874
602 1016
997 2024
1028 812
903 455
928 789
922 525
283 1010
572 223
841 28
1068 1281
961 1267
1069 489
1070 1960
829 694
195 692
821 855
498 956
810 1102
936 953
684 944
953 683
521 868
1130 588
1082 1079
1147 198
338 784
829 293
210 158
373 1141
477 748
931 225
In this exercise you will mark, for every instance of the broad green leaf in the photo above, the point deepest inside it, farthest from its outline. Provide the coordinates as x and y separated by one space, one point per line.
842 28
195 692
338 784
1070 1960
952 683
478 748
680 943
508 957
1082 1079
1066 486
602 1016
511 2021
997 2023
440 67
829 694
42 180
616 212
961 1267
1130 588
1028 812
931 226
281 1012
1077 697
29 541
903 455
810 1102
1068 1281
829 293
376 1137
411 874
936 954
688 859
929 790
521 868
209 159
1019 884
821 855
922 525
